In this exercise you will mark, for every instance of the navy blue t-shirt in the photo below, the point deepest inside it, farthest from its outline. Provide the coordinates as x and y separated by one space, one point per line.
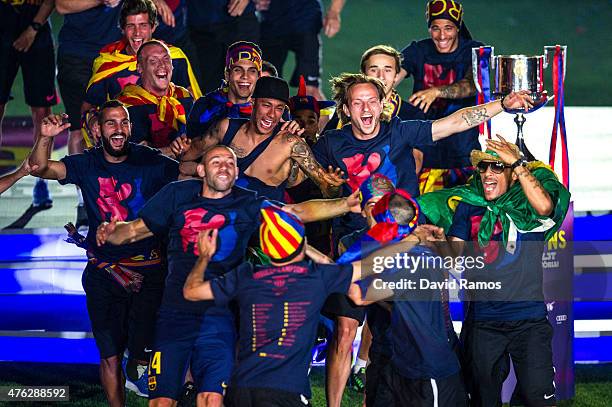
204 13
279 314
292 17
146 125
181 213
421 346
431 68
389 153
118 189
85 33
520 273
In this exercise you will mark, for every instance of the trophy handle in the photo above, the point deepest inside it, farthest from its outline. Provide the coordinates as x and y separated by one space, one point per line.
549 52
475 65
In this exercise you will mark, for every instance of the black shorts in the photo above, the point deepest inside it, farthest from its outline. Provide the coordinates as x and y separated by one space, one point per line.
307 49
447 392
73 75
122 319
488 346
339 305
263 397
37 68
379 390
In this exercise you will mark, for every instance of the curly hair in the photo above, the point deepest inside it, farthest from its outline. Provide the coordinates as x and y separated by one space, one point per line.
343 83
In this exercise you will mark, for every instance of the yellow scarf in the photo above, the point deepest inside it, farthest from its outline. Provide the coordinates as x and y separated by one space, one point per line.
112 60
169 109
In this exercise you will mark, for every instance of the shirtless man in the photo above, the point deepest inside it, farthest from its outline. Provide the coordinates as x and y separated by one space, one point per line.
271 155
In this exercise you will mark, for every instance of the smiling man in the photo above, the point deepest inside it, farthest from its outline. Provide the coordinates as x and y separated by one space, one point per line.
156 105
123 284
116 66
243 66
271 155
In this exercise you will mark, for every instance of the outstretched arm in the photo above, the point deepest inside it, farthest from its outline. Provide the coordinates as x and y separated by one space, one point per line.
195 288
118 233
469 117
194 149
329 182
322 209
51 126
8 180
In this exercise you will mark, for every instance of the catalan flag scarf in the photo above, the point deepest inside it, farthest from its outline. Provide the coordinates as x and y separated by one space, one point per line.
169 108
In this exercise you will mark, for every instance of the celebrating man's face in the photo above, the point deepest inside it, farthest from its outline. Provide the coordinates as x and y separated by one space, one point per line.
364 109
116 130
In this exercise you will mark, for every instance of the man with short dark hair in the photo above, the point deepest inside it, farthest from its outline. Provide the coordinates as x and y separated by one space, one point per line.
157 106
123 284
271 155
200 333
505 214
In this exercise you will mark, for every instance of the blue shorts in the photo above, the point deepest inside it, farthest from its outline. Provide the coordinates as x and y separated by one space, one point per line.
205 342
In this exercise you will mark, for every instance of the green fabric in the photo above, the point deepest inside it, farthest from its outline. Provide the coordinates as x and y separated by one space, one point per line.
439 206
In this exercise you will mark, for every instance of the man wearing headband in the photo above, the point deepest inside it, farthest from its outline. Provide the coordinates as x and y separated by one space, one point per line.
279 309
156 105
200 333
507 212
442 70
412 358
266 148
243 66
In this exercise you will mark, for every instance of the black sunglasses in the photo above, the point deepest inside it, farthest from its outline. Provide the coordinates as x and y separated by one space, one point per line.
496 166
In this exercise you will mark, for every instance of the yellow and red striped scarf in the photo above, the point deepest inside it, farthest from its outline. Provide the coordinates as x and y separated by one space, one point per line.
169 109
112 60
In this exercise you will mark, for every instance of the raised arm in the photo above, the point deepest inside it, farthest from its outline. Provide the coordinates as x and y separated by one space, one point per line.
118 233
213 136
195 288
537 196
51 126
469 117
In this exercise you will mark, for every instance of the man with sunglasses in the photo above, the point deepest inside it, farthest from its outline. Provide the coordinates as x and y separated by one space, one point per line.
510 207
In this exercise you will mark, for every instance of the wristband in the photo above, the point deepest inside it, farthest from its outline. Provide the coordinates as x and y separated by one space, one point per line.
36 26
520 162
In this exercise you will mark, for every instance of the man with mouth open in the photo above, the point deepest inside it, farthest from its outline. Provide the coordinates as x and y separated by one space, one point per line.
505 214
116 66
156 105
271 155
243 66
123 284
200 333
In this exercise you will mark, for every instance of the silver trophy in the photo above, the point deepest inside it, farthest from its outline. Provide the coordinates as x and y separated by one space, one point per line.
519 72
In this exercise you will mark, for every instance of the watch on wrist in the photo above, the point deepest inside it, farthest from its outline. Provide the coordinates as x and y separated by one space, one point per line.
35 26
520 162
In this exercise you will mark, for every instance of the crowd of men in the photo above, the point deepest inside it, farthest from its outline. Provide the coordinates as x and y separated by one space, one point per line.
225 224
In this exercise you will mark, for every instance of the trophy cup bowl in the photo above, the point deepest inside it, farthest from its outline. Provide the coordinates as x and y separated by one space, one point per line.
514 73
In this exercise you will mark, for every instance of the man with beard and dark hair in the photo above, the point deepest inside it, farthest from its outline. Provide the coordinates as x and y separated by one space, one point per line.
200 333
123 284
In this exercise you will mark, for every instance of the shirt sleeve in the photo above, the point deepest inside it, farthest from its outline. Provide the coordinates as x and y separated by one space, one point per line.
336 277
76 166
413 133
96 94
461 225
225 288
157 211
141 124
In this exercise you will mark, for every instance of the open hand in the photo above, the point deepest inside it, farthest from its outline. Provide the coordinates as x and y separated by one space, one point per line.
424 98
508 153
333 177
518 100
53 125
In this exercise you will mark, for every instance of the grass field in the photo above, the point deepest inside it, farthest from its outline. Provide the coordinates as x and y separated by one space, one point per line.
593 387
513 27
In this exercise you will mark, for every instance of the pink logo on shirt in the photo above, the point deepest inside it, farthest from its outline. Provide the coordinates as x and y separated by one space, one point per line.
357 171
194 224
110 197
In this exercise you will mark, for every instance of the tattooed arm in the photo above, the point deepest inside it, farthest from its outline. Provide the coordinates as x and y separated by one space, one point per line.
460 89
329 183
469 117
213 136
